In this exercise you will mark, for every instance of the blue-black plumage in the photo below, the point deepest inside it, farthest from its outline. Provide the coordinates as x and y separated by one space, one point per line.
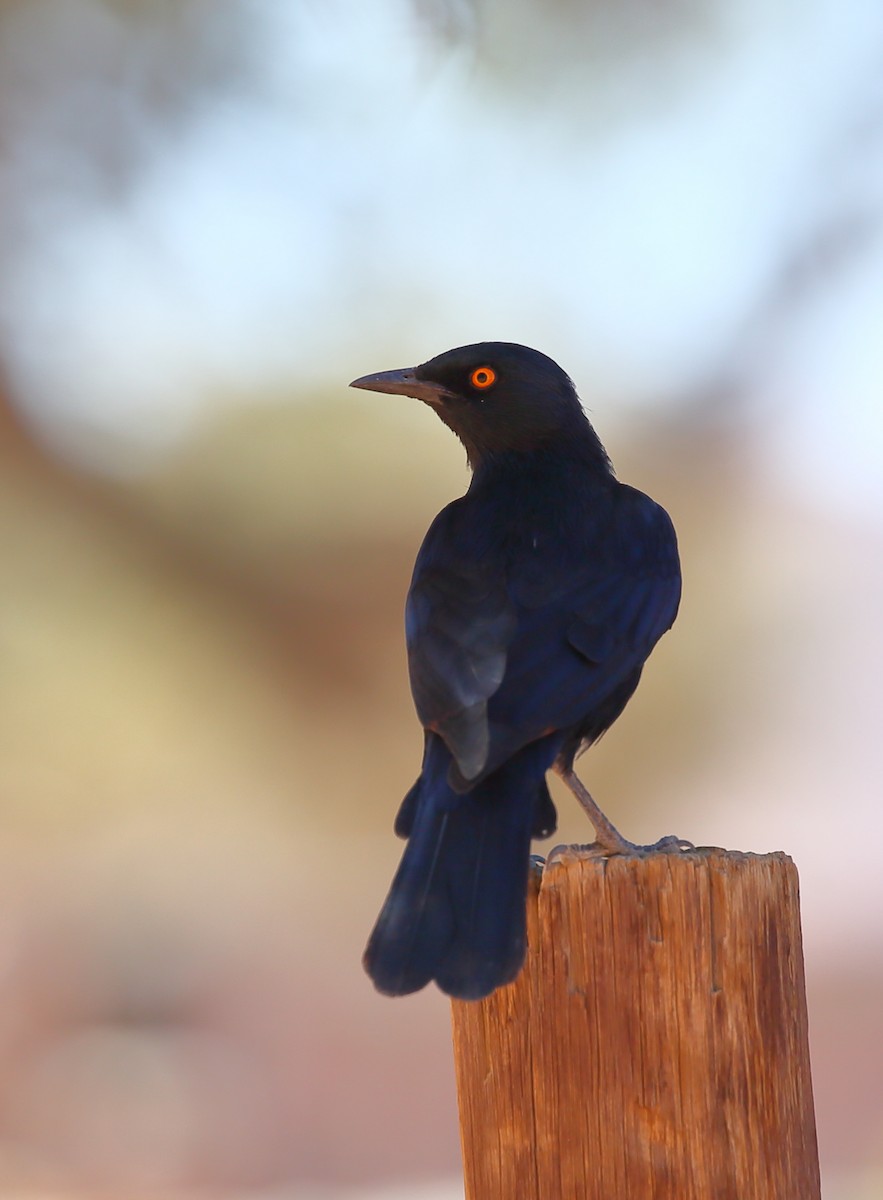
535 601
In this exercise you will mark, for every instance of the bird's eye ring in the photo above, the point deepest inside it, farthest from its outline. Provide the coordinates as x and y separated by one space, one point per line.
483 378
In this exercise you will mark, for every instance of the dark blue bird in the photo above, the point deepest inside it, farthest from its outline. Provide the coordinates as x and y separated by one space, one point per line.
535 601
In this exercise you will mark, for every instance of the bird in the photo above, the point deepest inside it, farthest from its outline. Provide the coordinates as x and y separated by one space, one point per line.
535 601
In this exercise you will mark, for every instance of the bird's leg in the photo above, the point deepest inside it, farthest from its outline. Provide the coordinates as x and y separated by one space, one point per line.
609 839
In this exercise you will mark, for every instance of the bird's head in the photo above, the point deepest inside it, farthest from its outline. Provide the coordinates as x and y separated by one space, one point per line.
498 397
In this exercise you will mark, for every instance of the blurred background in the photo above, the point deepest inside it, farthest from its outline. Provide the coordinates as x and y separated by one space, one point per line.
213 214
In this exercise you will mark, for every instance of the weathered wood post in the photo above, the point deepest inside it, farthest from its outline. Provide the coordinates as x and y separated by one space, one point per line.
655 1045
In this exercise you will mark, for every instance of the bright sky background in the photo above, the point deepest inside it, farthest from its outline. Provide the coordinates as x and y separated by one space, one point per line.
365 196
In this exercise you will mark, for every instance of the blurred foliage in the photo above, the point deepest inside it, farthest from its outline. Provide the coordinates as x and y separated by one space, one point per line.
582 46
88 88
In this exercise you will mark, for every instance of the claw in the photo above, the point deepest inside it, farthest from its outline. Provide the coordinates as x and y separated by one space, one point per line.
666 845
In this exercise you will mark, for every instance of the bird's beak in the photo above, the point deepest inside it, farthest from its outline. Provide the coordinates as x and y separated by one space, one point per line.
402 383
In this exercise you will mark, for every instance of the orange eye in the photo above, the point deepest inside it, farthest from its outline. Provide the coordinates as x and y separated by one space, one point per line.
483 377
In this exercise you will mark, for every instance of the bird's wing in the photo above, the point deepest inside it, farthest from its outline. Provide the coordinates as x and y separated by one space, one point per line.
576 659
460 622
504 647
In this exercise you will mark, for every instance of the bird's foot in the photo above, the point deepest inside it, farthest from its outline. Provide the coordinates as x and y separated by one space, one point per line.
611 847
671 844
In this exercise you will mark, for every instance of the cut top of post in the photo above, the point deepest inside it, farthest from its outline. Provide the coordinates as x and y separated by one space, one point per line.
655 1044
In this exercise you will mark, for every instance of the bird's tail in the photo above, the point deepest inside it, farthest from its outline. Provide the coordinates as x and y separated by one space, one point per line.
456 910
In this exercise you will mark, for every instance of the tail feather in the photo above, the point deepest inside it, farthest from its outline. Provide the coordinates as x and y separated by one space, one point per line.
456 910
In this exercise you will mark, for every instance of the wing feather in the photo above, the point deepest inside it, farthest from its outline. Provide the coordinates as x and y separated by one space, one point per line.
505 646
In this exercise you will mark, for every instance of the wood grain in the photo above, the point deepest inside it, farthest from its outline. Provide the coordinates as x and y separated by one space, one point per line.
655 1045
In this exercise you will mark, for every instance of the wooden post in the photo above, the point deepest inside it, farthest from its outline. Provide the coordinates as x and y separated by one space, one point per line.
655 1045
